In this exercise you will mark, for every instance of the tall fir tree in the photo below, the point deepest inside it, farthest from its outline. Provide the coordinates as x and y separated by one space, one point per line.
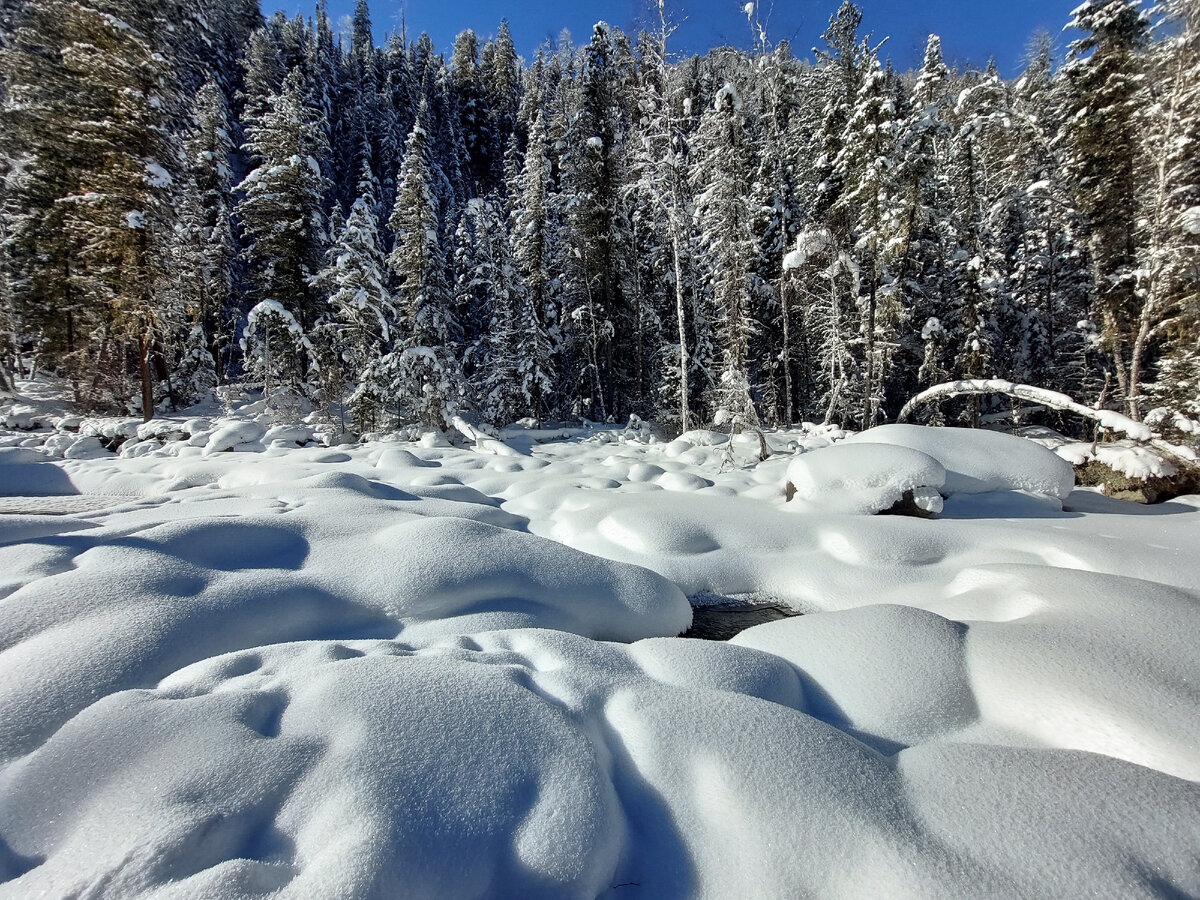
283 214
596 272
361 317
723 209
93 113
1103 91
865 170
536 226
422 369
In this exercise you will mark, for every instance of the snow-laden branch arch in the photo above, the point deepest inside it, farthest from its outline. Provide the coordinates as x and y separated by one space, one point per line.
1107 419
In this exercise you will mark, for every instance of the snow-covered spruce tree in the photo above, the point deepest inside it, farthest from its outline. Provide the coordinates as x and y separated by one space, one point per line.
41 104
777 216
840 70
865 170
512 376
658 168
421 370
595 272
94 107
501 73
1045 283
823 280
472 298
534 232
205 39
359 120
358 325
264 71
205 257
1173 215
448 152
723 209
921 230
282 211
1103 92
398 109
474 121
979 157
485 286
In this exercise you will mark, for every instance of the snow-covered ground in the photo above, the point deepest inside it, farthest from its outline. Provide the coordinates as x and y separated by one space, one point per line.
233 666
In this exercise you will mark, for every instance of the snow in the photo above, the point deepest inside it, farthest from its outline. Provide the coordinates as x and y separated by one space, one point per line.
410 668
864 479
233 434
157 176
980 461
1126 457
1190 220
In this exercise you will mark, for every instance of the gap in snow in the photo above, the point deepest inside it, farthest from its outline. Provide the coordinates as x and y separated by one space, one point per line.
716 617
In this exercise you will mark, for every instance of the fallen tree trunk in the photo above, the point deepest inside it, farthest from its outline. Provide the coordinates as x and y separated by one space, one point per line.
1107 419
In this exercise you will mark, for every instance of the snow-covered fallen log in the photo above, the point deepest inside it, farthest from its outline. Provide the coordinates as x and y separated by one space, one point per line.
1107 419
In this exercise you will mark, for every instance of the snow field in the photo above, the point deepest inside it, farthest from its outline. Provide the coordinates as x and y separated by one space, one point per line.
410 669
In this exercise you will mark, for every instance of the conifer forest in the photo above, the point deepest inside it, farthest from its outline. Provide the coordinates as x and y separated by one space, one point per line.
194 197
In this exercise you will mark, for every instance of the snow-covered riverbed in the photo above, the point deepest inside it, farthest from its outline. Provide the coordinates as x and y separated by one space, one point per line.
411 669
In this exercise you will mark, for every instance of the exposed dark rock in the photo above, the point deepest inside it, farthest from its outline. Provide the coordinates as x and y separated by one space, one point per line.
907 506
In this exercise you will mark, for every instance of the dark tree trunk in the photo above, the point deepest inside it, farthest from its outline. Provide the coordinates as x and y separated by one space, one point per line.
144 372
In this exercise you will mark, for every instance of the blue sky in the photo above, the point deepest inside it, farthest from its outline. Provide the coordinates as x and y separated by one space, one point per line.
972 30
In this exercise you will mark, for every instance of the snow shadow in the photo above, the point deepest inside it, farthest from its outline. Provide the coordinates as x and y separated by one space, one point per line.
1090 502
654 846
13 865
22 475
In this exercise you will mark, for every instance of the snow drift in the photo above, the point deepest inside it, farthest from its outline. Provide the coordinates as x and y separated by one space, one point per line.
411 669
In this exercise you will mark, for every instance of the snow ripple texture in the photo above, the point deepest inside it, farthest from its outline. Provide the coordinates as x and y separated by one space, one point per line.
420 671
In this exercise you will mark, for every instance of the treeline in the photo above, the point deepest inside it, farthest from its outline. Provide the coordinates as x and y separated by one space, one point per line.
193 196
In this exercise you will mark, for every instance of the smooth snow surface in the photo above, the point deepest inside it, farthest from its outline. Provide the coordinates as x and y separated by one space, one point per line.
406 669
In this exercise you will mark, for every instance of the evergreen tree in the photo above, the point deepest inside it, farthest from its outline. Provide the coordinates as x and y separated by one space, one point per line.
659 169
1103 93
501 74
775 192
922 229
596 272
282 211
535 227
205 278
361 317
725 225
865 170
470 100
980 148
91 119
422 369
1173 211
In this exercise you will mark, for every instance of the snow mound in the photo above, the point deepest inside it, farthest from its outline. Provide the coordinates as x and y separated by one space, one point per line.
859 670
542 764
863 479
234 434
980 461
398 668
